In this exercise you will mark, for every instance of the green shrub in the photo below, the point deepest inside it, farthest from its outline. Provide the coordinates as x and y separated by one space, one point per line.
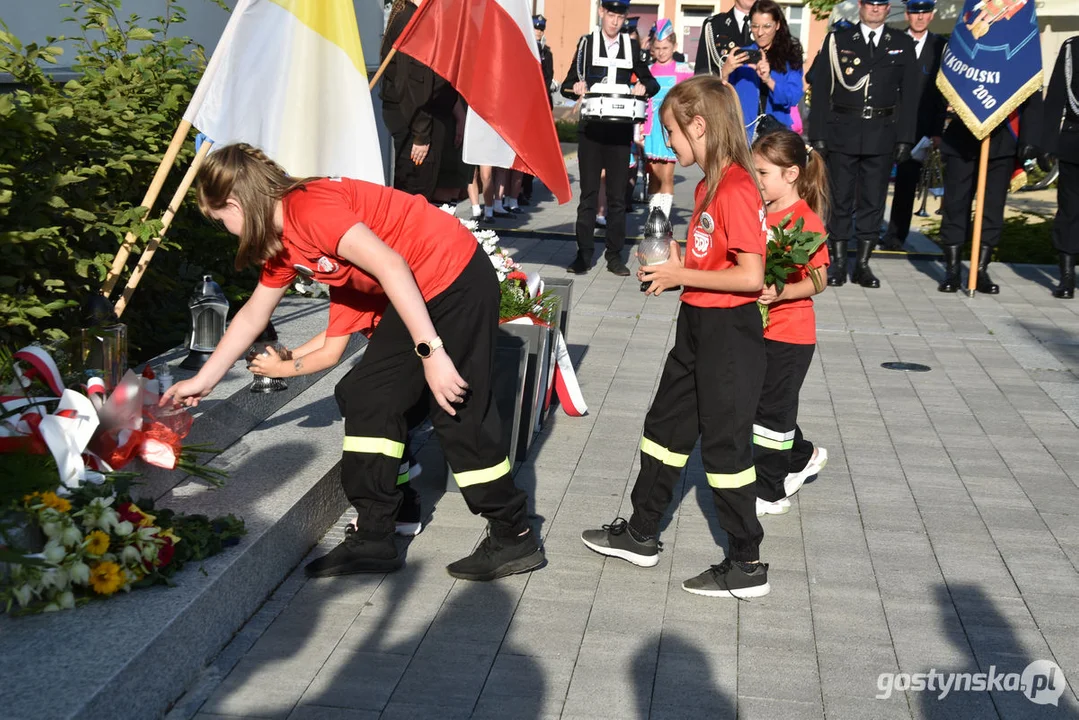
76 158
567 130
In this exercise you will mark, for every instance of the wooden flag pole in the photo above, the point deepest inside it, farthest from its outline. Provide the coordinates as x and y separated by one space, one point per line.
148 201
979 210
166 220
381 68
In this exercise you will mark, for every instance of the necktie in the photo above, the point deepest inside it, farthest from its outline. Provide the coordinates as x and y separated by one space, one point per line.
872 45
745 30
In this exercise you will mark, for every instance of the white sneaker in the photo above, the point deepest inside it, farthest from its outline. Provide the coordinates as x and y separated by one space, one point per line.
794 481
779 507
601 221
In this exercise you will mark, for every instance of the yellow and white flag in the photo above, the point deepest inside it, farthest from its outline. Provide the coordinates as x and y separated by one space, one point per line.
288 76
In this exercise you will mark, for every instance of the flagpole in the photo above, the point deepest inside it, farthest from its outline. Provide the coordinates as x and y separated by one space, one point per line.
381 68
148 201
166 220
979 209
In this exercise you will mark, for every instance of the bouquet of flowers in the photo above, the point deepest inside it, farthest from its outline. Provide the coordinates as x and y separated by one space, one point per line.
521 295
69 529
789 249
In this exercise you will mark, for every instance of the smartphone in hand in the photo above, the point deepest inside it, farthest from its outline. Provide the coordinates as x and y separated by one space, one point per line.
754 55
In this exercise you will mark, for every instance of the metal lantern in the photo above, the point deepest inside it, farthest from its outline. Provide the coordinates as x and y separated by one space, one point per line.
261 383
655 247
209 310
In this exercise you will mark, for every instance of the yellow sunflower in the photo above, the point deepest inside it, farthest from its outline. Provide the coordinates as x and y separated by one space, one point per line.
106 578
97 543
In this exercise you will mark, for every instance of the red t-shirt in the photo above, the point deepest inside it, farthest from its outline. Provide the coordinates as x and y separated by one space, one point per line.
732 223
435 245
794 321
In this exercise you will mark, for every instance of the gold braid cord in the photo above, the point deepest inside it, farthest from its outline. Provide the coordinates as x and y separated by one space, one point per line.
981 129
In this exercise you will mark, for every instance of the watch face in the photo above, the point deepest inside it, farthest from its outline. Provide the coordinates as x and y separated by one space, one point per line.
423 349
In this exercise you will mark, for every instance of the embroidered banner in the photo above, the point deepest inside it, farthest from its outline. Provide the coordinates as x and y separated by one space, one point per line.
993 62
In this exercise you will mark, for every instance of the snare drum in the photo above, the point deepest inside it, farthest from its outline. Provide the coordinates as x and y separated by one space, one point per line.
604 107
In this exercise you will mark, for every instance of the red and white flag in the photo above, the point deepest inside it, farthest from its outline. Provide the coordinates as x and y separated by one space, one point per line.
487 50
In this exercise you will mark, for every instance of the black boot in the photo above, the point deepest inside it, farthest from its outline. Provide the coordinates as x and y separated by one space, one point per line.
950 283
985 283
1066 289
861 273
837 271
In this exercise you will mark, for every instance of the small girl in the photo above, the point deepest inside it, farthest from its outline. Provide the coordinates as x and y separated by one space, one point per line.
439 327
711 382
667 73
795 186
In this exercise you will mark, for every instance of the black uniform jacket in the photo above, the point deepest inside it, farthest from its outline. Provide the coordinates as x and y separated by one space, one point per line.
1061 134
836 113
931 104
594 74
411 92
960 142
547 65
725 34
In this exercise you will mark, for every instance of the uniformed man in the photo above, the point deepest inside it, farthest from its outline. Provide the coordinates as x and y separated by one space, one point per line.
1011 141
931 106
539 27
1062 139
631 26
721 34
861 120
604 145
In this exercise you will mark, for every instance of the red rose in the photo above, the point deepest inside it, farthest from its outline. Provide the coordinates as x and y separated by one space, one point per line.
165 553
129 511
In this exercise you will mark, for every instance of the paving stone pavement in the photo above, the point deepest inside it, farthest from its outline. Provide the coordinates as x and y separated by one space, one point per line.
942 537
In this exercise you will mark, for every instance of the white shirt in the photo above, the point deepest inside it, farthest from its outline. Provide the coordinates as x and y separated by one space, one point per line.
612 45
919 43
739 18
876 33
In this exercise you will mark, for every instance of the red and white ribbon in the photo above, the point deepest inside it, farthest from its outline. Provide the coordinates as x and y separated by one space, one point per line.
41 366
562 378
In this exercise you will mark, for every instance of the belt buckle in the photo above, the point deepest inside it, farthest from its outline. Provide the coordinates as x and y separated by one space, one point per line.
867 113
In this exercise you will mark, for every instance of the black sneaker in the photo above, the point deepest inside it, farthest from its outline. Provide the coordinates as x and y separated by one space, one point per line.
731 579
620 541
494 558
409 521
578 267
357 555
616 266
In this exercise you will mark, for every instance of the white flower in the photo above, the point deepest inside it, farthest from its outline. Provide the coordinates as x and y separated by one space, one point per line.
23 595
54 552
52 607
80 573
71 536
130 555
55 578
149 552
53 529
67 600
124 528
146 534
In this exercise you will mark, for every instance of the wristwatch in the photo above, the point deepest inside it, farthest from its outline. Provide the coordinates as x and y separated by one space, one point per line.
426 349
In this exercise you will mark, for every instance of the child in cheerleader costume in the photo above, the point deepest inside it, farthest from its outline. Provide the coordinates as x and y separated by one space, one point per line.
667 73
324 351
711 382
795 186
439 328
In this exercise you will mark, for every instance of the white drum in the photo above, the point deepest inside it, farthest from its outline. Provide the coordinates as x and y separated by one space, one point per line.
605 107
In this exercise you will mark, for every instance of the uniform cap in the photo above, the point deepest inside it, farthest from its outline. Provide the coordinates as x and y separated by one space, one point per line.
616 6
539 22
876 2
921 6
631 24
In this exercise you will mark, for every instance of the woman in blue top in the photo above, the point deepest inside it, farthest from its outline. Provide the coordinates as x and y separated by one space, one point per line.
773 84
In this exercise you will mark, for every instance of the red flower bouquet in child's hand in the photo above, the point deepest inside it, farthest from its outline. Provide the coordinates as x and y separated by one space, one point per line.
789 249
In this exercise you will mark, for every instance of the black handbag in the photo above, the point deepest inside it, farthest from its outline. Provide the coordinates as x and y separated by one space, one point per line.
766 123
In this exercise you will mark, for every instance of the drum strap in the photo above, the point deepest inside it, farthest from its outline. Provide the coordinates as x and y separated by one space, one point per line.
613 64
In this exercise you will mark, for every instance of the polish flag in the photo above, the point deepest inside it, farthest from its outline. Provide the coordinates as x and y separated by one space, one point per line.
487 50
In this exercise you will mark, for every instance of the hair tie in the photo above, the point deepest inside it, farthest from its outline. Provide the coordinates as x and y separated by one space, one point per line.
809 149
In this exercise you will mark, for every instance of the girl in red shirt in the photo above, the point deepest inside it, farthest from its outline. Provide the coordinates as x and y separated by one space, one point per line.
795 186
711 382
376 245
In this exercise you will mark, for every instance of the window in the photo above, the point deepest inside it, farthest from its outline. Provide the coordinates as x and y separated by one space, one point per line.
798 20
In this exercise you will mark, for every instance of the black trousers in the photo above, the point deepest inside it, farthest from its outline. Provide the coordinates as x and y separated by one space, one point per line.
960 181
407 175
801 451
1066 225
709 389
603 146
776 424
907 175
376 394
859 185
